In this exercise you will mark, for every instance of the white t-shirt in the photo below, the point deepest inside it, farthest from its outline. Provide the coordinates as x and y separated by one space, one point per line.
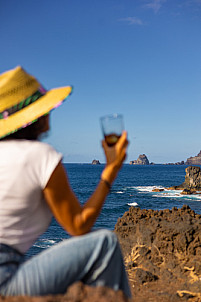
25 168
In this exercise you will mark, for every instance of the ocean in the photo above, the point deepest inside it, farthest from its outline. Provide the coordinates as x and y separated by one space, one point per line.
133 187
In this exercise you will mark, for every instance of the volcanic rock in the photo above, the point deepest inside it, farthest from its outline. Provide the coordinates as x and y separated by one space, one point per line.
179 163
196 160
157 190
95 162
142 160
188 191
192 181
193 177
162 251
78 292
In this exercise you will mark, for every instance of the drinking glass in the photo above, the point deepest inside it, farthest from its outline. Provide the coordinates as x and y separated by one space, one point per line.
112 127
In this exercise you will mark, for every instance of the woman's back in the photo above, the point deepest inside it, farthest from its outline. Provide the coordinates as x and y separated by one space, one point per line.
25 167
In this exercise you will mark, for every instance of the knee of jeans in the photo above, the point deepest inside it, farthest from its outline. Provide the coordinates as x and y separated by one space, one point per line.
110 237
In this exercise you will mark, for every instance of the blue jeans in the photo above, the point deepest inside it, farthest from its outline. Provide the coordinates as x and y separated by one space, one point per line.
94 258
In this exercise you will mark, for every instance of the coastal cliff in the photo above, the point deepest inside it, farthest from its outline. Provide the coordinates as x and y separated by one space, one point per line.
196 160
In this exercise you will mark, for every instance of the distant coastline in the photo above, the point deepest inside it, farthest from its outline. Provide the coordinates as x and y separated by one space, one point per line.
143 160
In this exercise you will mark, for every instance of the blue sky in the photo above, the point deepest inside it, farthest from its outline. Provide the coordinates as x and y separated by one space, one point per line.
141 58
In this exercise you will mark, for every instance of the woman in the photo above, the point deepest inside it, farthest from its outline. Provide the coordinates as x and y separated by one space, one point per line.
34 185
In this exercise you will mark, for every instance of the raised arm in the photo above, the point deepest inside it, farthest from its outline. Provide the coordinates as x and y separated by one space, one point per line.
75 218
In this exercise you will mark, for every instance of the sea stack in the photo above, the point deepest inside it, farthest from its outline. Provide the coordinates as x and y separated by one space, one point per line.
95 162
192 181
142 160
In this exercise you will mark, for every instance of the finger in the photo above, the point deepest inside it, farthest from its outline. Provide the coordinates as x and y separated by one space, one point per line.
104 145
122 144
123 139
122 159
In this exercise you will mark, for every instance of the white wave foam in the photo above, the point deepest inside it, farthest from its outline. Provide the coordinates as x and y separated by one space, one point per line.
164 193
119 192
148 188
198 197
177 194
168 195
134 204
130 187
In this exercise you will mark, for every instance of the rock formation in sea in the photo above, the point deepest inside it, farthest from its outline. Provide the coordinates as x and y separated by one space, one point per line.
196 160
142 160
192 181
179 163
95 162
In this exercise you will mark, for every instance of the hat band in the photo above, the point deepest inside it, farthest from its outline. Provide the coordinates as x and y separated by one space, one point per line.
28 101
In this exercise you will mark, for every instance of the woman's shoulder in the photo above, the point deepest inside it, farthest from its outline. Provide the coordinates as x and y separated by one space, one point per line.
27 147
38 147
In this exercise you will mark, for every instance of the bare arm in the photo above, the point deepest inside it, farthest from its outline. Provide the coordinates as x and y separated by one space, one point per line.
75 218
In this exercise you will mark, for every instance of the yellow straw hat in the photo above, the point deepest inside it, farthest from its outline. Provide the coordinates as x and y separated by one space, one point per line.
23 100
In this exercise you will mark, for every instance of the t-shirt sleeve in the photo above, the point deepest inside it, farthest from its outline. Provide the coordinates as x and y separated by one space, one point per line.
45 163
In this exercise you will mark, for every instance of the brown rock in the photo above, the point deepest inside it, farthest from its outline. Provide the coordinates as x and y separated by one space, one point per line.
192 181
78 292
142 160
163 252
180 187
157 190
142 276
95 162
196 160
188 191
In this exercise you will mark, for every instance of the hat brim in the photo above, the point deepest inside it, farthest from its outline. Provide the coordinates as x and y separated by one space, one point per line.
27 115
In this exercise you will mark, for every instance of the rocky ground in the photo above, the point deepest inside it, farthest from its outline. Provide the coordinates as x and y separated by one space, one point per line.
76 293
162 251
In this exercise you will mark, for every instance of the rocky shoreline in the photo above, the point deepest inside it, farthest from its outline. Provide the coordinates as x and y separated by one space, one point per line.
192 183
193 160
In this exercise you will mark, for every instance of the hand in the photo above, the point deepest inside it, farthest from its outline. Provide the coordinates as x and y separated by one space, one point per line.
115 157
117 153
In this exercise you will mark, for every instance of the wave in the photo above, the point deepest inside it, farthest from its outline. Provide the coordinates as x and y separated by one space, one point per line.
166 193
148 188
184 197
134 204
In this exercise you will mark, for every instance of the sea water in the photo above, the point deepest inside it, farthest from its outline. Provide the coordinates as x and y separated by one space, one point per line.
133 187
